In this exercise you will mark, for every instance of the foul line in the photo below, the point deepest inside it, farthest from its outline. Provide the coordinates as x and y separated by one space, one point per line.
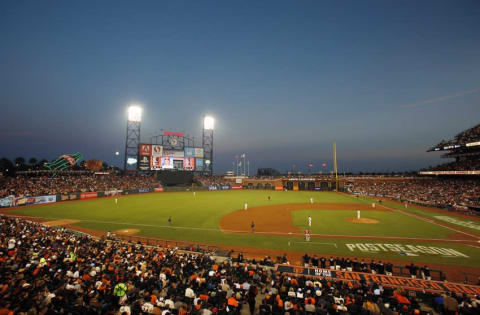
430 221
305 242
425 220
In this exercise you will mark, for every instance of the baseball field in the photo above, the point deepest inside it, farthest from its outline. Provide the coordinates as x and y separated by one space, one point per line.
387 231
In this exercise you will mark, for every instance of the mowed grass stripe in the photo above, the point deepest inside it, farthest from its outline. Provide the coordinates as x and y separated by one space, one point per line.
389 224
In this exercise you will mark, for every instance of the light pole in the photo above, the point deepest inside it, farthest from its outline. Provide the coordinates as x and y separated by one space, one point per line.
207 141
132 139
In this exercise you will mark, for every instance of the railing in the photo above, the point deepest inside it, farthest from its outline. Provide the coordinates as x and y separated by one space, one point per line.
192 246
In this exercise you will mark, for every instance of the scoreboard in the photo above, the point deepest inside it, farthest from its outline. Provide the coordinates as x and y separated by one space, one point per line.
171 157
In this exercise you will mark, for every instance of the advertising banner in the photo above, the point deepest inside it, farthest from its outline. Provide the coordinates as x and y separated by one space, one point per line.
189 163
173 133
7 202
199 152
167 162
144 163
156 163
212 187
145 149
143 190
390 281
45 199
278 188
88 195
178 154
174 153
157 150
114 192
158 189
189 152
199 164
237 187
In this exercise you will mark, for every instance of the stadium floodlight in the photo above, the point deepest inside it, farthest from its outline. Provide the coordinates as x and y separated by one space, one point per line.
134 113
208 162
208 123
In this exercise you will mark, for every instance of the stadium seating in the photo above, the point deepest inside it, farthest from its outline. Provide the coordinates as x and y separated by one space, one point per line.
47 270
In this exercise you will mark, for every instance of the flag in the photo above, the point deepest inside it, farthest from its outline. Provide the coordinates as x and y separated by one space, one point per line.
240 163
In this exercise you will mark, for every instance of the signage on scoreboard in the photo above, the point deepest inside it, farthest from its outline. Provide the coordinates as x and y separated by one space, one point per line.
156 162
144 163
199 164
189 152
174 153
199 152
167 162
157 150
189 163
145 149
173 133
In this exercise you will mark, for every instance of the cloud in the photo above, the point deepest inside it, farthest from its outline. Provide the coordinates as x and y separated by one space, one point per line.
441 98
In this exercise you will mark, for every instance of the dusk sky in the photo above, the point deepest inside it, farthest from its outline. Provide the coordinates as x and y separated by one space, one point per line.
284 79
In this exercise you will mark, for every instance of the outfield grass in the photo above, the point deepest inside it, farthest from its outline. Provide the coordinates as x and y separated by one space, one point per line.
196 219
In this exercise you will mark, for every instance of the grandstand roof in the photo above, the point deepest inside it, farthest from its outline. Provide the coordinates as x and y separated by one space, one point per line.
467 138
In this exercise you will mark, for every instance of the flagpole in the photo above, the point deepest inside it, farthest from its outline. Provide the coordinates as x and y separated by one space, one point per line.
248 168
236 164
244 166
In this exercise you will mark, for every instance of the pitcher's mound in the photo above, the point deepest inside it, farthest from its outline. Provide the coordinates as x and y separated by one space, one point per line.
363 221
127 231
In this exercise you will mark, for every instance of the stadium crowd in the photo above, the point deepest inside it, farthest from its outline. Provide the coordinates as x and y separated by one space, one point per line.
211 180
451 193
464 165
22 186
46 270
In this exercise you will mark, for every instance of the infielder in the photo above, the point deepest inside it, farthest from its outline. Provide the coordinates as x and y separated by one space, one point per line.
311 199
245 207
309 221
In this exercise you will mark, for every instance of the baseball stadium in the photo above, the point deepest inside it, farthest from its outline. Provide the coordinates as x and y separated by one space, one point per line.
239 157
413 233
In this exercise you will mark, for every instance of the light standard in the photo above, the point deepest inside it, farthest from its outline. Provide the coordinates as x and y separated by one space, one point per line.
132 139
207 141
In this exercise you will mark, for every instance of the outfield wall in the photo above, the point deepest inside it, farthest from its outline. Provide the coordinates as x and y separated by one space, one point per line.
13 201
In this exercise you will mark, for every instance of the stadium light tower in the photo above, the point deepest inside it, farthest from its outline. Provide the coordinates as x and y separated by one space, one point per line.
132 140
207 141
